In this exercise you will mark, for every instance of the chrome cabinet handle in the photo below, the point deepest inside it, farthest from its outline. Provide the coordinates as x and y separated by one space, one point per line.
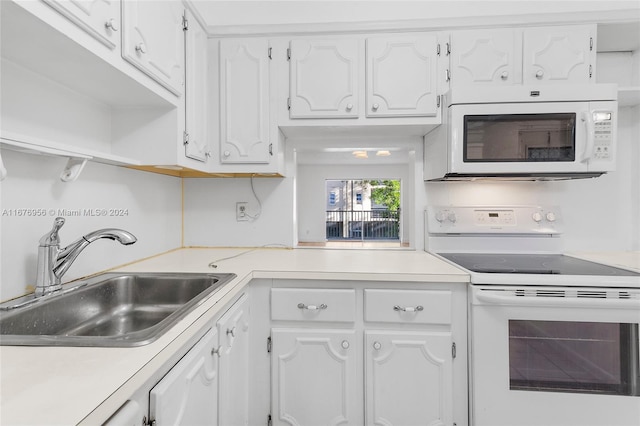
231 332
504 75
215 351
375 107
539 74
345 344
112 25
349 107
408 308
141 47
312 307
377 346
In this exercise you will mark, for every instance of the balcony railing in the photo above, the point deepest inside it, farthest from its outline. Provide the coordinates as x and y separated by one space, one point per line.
375 224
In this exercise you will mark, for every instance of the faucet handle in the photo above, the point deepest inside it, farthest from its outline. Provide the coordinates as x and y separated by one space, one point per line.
51 238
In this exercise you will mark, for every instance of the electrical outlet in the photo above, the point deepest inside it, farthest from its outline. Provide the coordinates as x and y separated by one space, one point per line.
241 211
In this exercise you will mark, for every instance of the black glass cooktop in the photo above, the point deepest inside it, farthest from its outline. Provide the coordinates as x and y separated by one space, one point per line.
553 264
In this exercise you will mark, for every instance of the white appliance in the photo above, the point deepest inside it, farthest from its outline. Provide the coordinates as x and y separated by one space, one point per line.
524 133
553 338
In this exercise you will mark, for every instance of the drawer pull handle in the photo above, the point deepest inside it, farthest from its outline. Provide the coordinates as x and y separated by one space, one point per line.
312 307
231 331
408 308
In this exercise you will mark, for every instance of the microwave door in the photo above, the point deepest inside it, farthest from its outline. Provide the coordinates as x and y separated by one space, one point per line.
522 138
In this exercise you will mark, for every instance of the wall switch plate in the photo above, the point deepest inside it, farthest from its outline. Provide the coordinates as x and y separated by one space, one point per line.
241 211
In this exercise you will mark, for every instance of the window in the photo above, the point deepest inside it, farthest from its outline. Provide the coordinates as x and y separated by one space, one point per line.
369 211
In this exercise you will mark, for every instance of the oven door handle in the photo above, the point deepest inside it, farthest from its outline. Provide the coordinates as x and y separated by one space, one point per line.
490 297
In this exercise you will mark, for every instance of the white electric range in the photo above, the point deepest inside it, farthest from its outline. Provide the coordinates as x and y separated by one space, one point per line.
553 338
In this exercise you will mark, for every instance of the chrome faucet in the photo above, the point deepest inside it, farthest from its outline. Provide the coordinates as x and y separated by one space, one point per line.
54 262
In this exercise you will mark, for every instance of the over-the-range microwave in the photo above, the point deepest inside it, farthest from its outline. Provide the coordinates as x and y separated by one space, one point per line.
524 133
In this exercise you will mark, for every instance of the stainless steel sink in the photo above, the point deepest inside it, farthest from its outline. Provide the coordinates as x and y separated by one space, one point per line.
112 309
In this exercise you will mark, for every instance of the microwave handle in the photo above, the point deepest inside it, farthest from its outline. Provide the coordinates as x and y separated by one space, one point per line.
491 297
587 119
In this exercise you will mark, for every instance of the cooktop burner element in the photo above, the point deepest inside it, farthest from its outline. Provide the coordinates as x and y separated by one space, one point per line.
554 264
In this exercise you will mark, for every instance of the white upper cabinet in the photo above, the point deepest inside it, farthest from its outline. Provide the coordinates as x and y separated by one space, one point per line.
486 56
99 18
559 55
562 54
244 101
195 139
324 78
153 40
401 75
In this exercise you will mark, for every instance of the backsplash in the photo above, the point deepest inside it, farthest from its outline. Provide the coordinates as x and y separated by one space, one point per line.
146 204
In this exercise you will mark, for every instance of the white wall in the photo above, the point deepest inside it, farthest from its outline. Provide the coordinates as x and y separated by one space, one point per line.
210 212
600 214
152 201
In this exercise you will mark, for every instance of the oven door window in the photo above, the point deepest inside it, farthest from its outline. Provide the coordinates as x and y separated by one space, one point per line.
563 356
519 137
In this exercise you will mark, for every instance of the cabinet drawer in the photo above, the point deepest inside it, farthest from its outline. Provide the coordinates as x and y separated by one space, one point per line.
408 306
304 304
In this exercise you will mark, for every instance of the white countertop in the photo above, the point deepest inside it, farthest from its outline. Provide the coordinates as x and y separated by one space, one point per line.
67 385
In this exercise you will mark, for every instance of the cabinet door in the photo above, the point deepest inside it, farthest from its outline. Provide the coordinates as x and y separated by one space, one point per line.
324 78
233 328
244 101
153 40
314 378
187 395
401 75
559 55
486 57
408 378
196 142
99 18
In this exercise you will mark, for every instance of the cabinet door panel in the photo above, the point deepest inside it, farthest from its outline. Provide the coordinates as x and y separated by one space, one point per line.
244 101
324 78
99 18
233 328
408 378
153 40
558 55
197 147
314 378
486 56
401 74
188 393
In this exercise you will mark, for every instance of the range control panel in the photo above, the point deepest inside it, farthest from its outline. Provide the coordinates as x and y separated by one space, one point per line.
519 220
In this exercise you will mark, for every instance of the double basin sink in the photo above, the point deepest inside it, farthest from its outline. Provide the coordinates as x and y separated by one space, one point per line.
108 310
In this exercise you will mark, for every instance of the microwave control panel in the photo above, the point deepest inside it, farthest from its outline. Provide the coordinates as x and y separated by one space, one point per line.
602 134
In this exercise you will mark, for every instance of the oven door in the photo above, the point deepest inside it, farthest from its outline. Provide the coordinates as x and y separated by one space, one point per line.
554 356
532 138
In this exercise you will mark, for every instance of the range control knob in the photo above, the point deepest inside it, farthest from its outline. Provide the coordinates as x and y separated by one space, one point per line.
551 217
441 216
537 217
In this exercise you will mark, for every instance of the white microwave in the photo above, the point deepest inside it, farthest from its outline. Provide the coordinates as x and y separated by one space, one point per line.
524 133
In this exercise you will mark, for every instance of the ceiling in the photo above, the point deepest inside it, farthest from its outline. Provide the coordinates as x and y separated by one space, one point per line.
224 13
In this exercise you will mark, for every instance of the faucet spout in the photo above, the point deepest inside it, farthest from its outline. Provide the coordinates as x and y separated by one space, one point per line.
54 262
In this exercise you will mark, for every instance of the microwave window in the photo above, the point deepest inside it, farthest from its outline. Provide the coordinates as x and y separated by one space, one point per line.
579 357
519 137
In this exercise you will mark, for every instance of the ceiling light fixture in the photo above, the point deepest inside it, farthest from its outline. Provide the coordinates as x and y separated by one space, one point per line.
383 153
360 154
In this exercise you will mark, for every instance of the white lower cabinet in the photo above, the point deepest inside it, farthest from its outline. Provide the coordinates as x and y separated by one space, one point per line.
368 355
233 329
408 378
314 377
187 394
